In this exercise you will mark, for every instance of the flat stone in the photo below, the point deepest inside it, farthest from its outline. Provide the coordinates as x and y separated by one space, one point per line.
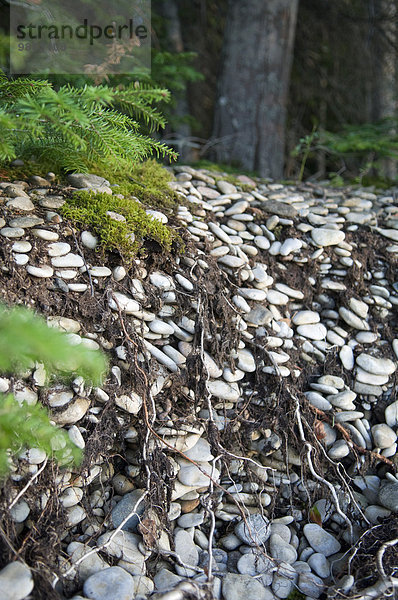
311 585
318 401
343 400
236 587
190 520
161 281
253 294
52 202
367 390
130 403
370 378
165 580
388 496
127 505
348 415
383 435
246 361
259 315
40 272
100 272
282 209
391 414
16 581
73 413
262 242
278 298
347 357
88 566
161 356
191 476
234 262
45 234
58 249
320 564
327 237
64 324
376 366
292 293
316 331
338 450
306 317
87 180
124 303
255 531
353 320
113 583
21 246
124 545
26 222
254 563
21 203
280 550
158 326
229 392
67 261
21 259
320 540
20 511
358 307
71 496
12 232
157 215
75 515
187 551
228 188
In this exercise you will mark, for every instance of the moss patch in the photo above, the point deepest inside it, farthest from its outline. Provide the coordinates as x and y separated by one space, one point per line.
149 182
127 235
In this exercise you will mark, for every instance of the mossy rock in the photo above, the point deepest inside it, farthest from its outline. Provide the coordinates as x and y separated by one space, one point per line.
127 235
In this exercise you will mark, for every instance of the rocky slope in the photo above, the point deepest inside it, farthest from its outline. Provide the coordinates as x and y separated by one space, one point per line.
244 442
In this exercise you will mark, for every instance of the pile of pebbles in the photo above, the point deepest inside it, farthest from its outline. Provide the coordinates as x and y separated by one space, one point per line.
308 274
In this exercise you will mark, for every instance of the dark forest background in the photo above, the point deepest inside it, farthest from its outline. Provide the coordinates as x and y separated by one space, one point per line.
281 71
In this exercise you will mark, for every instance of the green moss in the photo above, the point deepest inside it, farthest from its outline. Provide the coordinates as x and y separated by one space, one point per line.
128 236
148 181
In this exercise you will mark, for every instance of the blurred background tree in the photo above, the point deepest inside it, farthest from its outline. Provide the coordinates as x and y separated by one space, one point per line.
344 73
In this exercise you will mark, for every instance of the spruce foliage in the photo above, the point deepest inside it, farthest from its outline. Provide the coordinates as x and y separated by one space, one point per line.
25 340
75 129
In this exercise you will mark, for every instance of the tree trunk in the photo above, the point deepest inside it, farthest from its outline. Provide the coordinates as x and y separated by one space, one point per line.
182 131
384 81
250 113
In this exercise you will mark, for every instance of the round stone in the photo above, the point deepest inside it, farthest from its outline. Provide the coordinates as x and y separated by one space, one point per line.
89 240
327 237
20 511
16 581
383 435
320 540
113 583
254 530
128 504
236 587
